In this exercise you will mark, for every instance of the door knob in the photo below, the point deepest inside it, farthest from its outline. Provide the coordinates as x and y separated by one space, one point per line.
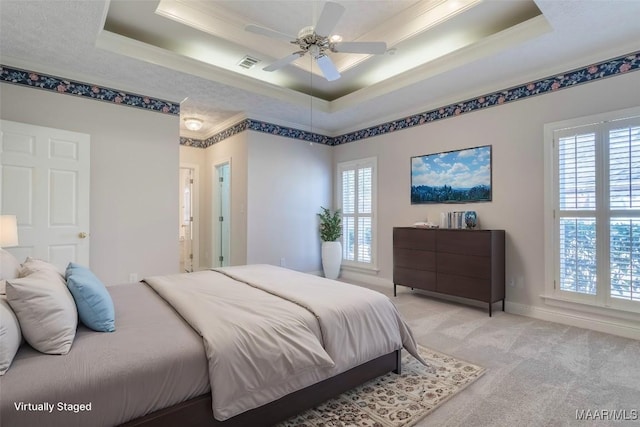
82 235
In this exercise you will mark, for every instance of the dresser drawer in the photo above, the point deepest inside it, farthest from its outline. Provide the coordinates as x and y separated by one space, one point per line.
464 242
414 259
414 238
414 278
467 287
464 265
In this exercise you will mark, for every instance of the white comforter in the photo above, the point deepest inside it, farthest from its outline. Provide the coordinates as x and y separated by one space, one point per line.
269 331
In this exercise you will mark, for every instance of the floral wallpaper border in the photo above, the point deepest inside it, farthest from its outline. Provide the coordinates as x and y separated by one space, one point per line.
69 87
227 133
594 72
258 126
590 73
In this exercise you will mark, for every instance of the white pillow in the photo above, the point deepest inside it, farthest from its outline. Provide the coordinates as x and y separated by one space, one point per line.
9 267
31 265
10 337
45 309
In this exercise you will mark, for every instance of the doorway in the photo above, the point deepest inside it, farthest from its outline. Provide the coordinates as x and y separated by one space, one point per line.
186 219
44 181
221 207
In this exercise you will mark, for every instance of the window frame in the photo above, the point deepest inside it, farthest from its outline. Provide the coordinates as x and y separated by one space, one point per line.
601 124
355 165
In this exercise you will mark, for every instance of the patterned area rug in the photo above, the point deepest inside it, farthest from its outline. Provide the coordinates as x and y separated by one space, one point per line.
395 400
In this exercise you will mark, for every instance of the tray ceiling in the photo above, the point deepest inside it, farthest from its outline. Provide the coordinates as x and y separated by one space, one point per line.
441 52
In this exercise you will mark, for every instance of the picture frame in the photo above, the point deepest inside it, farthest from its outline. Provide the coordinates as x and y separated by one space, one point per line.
458 176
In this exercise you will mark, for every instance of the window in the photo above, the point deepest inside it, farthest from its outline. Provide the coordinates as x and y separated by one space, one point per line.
596 210
356 195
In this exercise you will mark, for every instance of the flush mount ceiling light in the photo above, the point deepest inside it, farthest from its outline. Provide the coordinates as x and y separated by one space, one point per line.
192 123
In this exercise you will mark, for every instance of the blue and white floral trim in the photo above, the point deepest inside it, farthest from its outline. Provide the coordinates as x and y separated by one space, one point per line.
594 72
214 139
257 126
192 142
70 87
612 67
288 132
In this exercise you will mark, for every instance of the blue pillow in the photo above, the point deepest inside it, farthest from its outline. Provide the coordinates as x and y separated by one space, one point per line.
95 306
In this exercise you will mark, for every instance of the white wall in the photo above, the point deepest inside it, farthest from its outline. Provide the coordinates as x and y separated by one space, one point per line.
288 182
233 150
134 177
277 186
195 158
516 133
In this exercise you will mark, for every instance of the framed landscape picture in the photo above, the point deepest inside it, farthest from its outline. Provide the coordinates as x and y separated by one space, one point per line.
460 176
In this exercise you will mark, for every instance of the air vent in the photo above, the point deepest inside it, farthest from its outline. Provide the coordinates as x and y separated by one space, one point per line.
248 62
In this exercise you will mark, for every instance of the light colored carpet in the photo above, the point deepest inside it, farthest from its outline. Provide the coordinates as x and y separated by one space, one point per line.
395 400
538 373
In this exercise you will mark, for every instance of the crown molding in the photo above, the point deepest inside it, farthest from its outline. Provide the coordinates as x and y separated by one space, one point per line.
595 71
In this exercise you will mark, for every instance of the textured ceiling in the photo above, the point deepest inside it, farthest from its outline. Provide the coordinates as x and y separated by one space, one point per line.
65 38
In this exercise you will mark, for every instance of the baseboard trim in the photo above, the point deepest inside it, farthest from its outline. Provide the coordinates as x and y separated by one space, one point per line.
365 278
620 327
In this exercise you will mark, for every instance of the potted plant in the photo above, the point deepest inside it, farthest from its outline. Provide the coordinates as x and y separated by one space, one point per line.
330 232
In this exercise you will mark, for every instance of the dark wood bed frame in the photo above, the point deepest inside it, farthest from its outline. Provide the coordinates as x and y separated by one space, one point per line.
197 411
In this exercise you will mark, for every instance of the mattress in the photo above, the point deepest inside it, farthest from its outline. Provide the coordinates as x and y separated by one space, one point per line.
153 360
269 331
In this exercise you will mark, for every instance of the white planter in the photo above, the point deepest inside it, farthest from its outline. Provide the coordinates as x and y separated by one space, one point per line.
331 259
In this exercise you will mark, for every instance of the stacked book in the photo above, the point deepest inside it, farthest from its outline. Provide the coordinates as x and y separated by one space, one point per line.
458 219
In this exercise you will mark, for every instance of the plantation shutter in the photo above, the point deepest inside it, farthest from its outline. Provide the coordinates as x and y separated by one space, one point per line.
624 199
357 181
577 194
598 212
348 214
364 214
624 168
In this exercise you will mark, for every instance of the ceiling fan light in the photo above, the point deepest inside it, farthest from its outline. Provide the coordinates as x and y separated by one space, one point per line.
193 123
335 38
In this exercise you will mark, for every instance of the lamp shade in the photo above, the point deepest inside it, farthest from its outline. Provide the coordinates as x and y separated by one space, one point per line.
8 231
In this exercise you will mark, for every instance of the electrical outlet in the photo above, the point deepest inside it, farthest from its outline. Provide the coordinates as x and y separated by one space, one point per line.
133 277
283 262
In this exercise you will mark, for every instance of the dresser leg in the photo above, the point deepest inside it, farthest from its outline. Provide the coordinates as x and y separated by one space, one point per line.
394 290
490 309
503 305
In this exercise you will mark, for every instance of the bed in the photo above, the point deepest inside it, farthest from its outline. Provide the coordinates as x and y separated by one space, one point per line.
178 335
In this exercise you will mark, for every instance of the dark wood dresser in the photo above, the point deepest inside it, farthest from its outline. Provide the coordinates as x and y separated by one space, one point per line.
463 263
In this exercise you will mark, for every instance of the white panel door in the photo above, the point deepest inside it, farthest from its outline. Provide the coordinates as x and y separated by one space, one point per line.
44 181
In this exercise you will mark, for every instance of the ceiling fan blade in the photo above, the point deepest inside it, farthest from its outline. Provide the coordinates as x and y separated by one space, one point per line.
328 68
269 33
329 17
283 61
360 47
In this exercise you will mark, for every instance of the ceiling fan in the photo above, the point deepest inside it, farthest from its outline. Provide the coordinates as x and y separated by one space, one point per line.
317 42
